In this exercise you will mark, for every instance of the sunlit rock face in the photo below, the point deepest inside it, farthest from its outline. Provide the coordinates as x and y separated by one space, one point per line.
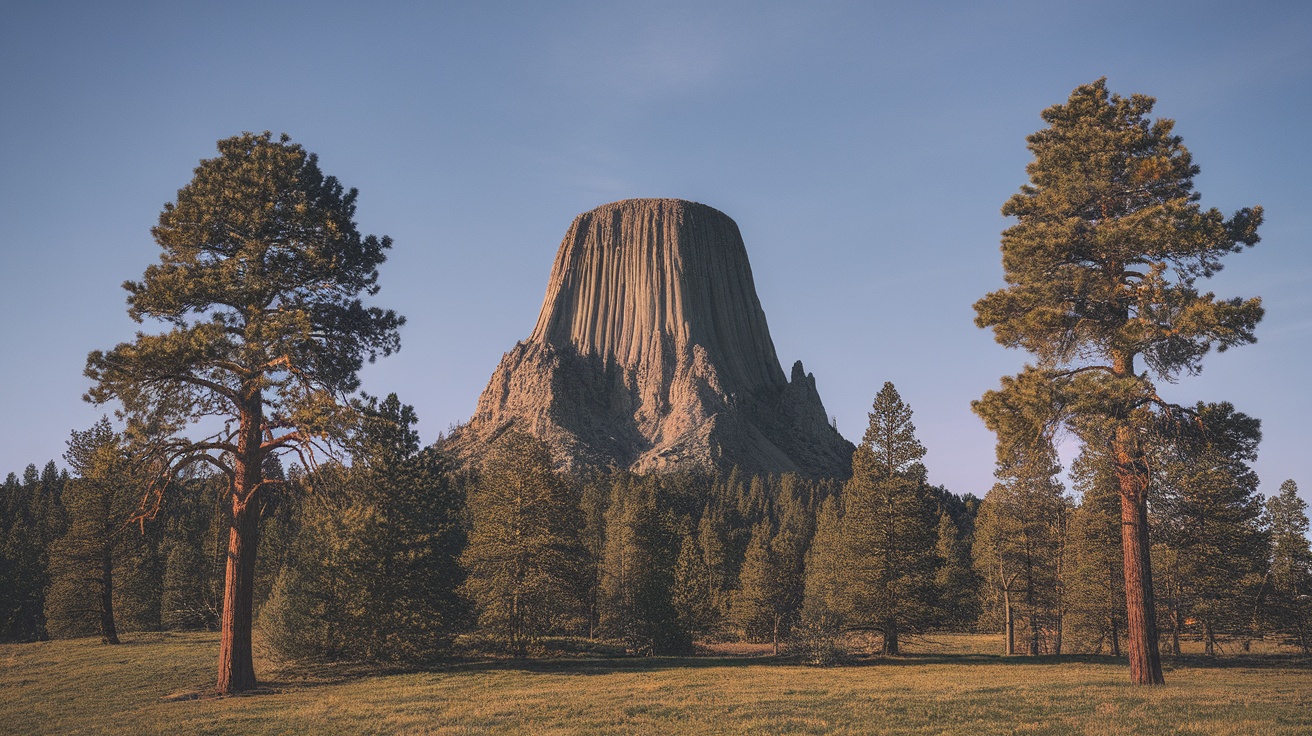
652 353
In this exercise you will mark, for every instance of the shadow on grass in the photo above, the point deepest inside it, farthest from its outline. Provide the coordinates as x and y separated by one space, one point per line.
303 676
1239 661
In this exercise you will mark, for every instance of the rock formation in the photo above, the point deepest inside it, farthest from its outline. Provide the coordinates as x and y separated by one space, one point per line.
652 353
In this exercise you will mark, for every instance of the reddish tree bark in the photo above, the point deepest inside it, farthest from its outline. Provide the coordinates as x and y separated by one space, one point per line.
236 668
1140 608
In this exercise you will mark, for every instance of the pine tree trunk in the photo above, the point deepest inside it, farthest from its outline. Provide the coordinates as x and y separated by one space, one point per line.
890 638
236 669
1177 623
1209 639
1116 637
1009 642
1140 609
108 632
516 628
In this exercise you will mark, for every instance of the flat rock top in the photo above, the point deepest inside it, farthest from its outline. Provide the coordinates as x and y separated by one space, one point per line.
638 276
668 205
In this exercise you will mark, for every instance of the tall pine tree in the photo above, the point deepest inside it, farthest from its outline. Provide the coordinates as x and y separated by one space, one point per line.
524 549
101 551
890 527
1290 602
260 279
33 518
1019 545
1102 268
1095 584
373 574
1208 513
639 568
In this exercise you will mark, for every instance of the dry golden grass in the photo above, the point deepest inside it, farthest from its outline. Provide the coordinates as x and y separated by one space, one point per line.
946 685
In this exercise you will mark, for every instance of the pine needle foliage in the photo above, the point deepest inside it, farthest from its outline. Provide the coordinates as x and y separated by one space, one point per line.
97 558
259 287
890 527
373 572
1289 606
1102 269
1019 549
524 553
1207 512
639 570
33 516
1095 582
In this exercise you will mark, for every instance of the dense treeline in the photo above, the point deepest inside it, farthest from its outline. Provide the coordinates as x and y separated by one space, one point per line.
394 556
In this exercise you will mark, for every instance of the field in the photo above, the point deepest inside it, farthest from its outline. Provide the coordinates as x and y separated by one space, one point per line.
153 684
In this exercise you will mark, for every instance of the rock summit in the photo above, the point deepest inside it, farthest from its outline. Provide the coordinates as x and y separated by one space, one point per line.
652 353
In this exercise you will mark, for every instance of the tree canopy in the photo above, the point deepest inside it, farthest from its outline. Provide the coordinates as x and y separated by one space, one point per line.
259 287
1102 270
890 526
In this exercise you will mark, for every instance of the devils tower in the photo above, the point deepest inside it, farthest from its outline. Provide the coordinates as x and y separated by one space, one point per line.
652 353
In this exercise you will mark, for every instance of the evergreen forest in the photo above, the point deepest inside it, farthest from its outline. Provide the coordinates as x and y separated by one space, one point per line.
309 515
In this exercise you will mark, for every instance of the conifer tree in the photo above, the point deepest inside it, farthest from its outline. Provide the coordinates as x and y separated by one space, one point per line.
710 539
788 547
523 555
259 281
889 525
825 569
594 498
958 583
693 595
87 564
373 572
1207 512
823 604
33 518
756 601
1102 268
1290 607
1019 544
193 547
1095 585
638 571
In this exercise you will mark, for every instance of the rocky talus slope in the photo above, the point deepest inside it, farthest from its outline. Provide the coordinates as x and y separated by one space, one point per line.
652 353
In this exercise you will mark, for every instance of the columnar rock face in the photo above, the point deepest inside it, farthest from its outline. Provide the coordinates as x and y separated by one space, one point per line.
652 353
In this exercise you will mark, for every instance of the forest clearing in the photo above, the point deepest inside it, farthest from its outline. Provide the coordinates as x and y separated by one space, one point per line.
152 684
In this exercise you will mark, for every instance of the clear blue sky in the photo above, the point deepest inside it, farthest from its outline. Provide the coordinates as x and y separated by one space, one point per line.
863 148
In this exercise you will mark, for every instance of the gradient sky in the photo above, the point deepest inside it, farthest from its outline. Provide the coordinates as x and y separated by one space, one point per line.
863 148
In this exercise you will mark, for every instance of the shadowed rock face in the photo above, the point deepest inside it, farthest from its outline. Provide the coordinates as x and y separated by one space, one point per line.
652 353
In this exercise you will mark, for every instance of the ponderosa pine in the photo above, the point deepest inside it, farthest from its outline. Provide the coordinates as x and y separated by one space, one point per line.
373 574
1207 512
1019 542
1095 581
31 518
890 523
99 500
1290 603
259 283
524 554
1102 268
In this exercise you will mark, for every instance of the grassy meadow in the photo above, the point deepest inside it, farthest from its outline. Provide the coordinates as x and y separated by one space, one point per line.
155 683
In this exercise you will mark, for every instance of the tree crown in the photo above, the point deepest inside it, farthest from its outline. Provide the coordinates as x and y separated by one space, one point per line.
1110 241
260 281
